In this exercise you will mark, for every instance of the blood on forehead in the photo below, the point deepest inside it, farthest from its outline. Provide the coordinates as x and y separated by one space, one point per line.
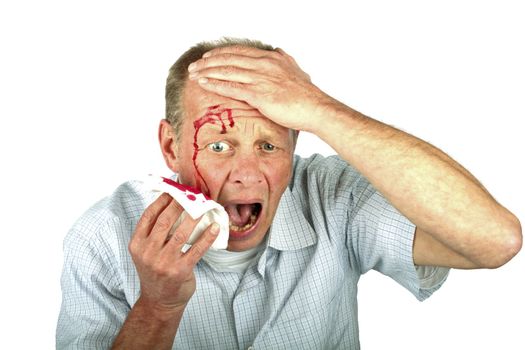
213 115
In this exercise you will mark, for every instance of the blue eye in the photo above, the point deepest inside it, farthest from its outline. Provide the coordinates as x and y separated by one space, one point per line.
218 147
268 147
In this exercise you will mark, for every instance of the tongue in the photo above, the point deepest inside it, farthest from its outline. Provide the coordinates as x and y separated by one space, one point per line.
239 213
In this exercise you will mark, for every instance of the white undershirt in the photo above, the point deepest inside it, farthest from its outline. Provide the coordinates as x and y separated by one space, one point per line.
226 261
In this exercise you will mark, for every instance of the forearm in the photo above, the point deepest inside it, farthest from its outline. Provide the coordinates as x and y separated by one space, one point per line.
436 193
148 328
423 183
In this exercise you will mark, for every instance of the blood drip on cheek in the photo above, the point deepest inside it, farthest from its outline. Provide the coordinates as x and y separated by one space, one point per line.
213 115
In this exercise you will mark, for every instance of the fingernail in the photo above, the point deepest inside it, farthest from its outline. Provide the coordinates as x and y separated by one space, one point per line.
207 54
203 80
192 75
192 67
215 229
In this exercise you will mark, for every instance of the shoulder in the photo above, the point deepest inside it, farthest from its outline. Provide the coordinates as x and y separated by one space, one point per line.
114 215
331 175
327 189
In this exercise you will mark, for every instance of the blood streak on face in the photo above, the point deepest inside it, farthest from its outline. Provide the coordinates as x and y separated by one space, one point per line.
213 115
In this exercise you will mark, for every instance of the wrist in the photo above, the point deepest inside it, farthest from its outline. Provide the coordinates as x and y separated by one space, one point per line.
154 310
328 114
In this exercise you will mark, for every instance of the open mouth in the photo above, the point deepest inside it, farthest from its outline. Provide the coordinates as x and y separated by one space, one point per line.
243 217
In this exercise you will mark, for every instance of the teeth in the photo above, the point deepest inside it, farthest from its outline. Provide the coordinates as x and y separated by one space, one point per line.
250 223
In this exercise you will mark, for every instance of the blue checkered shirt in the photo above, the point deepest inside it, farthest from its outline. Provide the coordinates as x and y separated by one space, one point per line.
331 227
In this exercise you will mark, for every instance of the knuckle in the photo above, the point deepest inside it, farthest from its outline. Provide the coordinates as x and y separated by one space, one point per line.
228 57
270 63
203 62
275 55
147 262
179 272
215 51
237 48
133 247
178 237
250 95
197 251
163 223
210 238
147 216
267 60
163 270
232 84
228 70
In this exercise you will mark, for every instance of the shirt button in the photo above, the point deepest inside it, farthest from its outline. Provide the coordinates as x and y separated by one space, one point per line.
251 348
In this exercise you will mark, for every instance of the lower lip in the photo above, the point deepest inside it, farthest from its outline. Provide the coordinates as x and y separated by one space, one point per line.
239 236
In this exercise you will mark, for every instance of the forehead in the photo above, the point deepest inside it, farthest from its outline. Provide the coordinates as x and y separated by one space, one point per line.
214 114
197 101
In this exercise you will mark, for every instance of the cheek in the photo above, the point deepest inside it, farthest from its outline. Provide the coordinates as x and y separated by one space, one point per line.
278 173
210 164
214 171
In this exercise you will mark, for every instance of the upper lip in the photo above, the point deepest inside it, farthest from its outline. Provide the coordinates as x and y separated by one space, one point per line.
241 201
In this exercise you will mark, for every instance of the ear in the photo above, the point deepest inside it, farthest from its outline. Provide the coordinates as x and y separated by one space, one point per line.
168 144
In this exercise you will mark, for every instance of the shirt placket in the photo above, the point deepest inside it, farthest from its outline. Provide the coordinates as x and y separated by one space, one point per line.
249 307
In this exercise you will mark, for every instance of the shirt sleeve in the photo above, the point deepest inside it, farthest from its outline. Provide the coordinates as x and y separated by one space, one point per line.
382 239
93 304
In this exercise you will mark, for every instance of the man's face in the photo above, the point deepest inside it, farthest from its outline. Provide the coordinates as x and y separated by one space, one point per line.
238 157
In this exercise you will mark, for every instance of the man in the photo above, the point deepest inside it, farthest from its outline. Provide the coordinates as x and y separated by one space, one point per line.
302 231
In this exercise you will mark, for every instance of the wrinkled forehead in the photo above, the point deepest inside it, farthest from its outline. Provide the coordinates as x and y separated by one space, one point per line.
220 120
198 102
213 113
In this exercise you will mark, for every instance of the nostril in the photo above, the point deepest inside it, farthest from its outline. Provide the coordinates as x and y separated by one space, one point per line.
246 174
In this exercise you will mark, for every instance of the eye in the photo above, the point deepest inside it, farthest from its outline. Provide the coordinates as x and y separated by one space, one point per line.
219 147
268 147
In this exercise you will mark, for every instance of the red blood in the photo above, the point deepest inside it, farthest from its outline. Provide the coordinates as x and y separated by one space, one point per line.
184 188
213 115
180 186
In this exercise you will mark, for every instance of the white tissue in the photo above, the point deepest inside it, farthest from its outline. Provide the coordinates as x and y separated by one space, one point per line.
195 204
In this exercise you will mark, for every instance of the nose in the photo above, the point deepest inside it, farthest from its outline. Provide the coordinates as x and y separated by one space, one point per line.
246 170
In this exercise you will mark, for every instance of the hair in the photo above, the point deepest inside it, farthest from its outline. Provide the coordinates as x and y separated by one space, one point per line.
178 75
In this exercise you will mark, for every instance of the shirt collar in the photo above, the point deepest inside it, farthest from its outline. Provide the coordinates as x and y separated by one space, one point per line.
290 230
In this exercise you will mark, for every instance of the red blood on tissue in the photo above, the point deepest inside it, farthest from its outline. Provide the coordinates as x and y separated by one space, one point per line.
185 188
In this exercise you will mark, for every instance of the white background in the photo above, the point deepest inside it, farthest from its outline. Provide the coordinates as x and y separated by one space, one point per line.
81 94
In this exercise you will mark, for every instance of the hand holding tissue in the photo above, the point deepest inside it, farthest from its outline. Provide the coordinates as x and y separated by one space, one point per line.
196 204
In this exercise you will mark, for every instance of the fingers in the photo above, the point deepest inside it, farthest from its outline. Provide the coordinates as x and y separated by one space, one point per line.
227 59
165 221
239 50
234 90
235 63
241 56
201 246
150 215
198 249
227 72
180 235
